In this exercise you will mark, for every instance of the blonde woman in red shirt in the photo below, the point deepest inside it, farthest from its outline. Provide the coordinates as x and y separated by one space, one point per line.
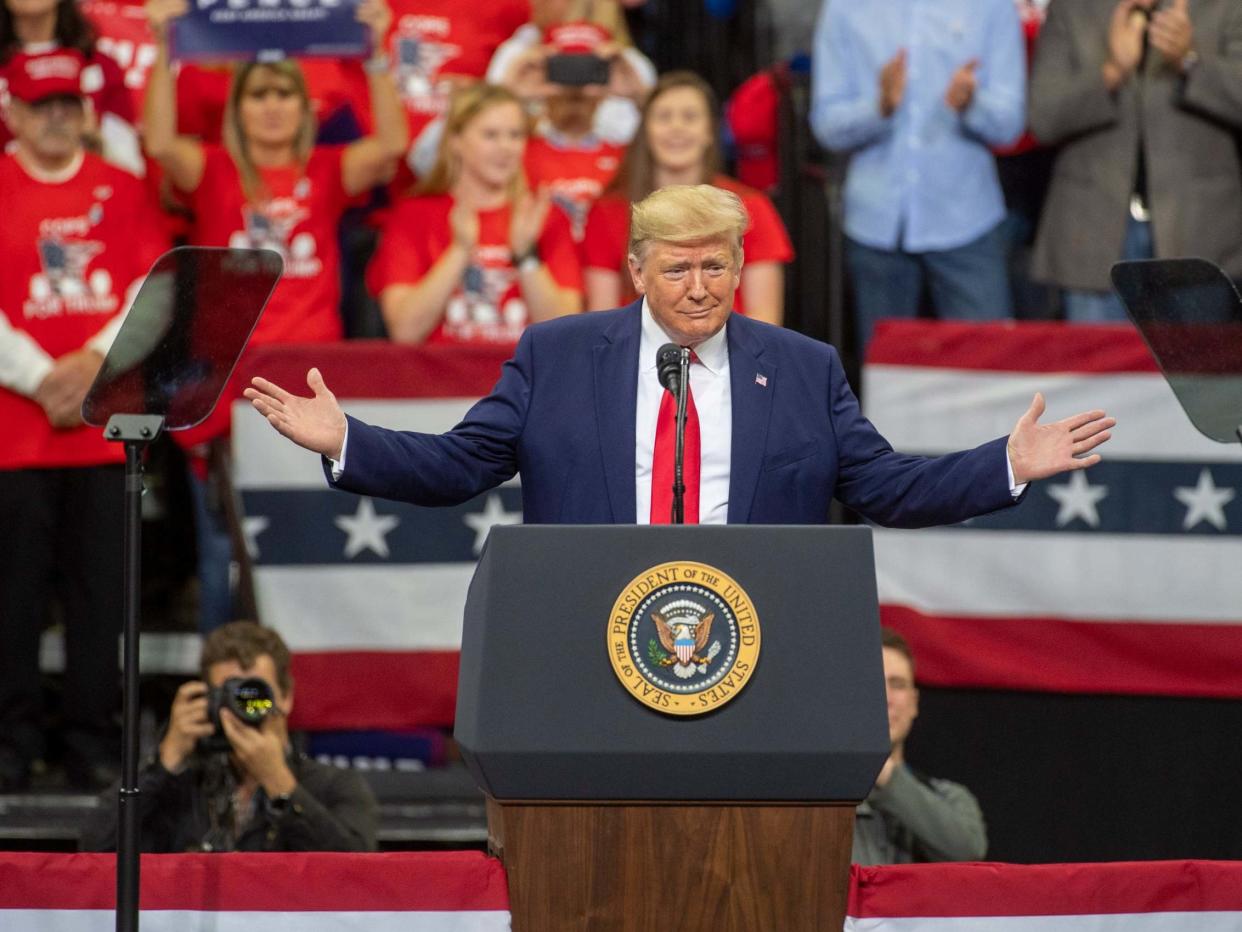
473 256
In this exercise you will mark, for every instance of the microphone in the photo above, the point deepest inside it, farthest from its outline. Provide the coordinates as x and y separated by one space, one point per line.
668 367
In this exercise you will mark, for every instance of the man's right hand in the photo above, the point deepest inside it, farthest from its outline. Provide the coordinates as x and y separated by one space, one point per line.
893 83
186 724
162 12
316 423
1125 40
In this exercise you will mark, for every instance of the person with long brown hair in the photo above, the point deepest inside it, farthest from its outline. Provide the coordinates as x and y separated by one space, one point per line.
678 143
268 186
474 256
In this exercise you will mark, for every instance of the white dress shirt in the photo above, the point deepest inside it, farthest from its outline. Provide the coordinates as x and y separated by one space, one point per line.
713 399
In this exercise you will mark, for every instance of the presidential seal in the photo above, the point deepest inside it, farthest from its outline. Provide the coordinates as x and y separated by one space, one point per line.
683 638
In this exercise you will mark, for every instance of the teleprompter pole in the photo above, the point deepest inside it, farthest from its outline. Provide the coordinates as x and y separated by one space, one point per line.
136 431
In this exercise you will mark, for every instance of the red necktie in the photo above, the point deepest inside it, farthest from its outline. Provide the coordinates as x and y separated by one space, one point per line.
662 460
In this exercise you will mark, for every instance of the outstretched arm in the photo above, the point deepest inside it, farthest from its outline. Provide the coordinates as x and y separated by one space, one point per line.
372 160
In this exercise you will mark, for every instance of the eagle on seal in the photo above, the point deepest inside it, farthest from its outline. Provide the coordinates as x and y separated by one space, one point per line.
685 641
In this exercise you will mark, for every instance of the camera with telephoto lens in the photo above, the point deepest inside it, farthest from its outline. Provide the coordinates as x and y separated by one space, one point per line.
249 698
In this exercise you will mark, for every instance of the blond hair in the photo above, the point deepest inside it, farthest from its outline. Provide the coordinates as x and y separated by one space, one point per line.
467 103
235 141
688 213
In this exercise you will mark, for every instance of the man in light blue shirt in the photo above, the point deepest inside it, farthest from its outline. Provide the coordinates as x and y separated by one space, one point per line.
917 91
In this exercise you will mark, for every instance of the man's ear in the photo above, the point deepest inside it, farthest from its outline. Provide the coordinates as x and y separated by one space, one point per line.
636 275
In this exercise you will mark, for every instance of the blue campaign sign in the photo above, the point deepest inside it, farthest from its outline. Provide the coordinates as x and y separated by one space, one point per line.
266 30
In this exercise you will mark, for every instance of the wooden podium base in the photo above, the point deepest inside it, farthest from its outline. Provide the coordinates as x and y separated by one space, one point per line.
636 867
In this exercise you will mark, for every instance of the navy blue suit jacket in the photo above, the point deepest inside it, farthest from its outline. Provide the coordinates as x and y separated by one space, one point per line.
563 416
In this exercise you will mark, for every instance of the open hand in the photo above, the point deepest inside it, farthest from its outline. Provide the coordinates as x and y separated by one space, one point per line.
1037 451
893 83
962 87
530 213
316 423
1125 35
464 225
1171 33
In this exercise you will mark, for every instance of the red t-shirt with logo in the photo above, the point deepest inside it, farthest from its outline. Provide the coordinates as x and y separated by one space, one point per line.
431 40
486 307
71 251
608 234
299 220
575 174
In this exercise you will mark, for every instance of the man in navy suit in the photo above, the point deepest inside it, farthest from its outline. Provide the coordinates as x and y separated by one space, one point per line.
577 412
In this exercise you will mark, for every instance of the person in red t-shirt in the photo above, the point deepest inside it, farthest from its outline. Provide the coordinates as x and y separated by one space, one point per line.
474 257
269 186
676 143
565 155
436 46
37 27
77 238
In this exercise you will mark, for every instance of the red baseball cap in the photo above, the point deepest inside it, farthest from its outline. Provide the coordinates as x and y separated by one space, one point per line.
33 77
576 38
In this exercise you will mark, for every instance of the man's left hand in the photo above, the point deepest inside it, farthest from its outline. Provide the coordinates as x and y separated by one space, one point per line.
260 751
1171 34
61 392
1037 451
962 88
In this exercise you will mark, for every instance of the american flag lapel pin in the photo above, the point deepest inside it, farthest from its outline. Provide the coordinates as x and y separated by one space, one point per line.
761 380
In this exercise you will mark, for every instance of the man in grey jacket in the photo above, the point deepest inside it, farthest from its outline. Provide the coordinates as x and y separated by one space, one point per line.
1144 97
908 817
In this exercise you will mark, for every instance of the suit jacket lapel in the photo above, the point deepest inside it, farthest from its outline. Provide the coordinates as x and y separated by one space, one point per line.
616 406
752 382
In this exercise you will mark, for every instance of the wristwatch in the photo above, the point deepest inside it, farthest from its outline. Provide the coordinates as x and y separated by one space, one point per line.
377 64
529 260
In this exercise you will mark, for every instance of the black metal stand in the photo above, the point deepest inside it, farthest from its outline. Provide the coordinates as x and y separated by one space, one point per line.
679 450
135 431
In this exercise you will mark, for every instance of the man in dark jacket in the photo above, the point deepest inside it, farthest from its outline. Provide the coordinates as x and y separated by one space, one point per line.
907 816
242 787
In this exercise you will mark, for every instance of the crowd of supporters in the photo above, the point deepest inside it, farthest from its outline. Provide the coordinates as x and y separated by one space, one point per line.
498 186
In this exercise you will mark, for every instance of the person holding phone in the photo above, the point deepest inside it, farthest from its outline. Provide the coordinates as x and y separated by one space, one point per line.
565 154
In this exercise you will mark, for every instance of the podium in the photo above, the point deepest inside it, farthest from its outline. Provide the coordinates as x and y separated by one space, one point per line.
673 725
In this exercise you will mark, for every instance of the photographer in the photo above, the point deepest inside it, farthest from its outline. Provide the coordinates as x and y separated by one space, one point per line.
239 786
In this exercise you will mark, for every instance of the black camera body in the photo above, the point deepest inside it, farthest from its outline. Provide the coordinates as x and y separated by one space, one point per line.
249 698
578 70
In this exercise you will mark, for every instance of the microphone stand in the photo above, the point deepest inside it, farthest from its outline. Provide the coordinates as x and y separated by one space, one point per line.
679 450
